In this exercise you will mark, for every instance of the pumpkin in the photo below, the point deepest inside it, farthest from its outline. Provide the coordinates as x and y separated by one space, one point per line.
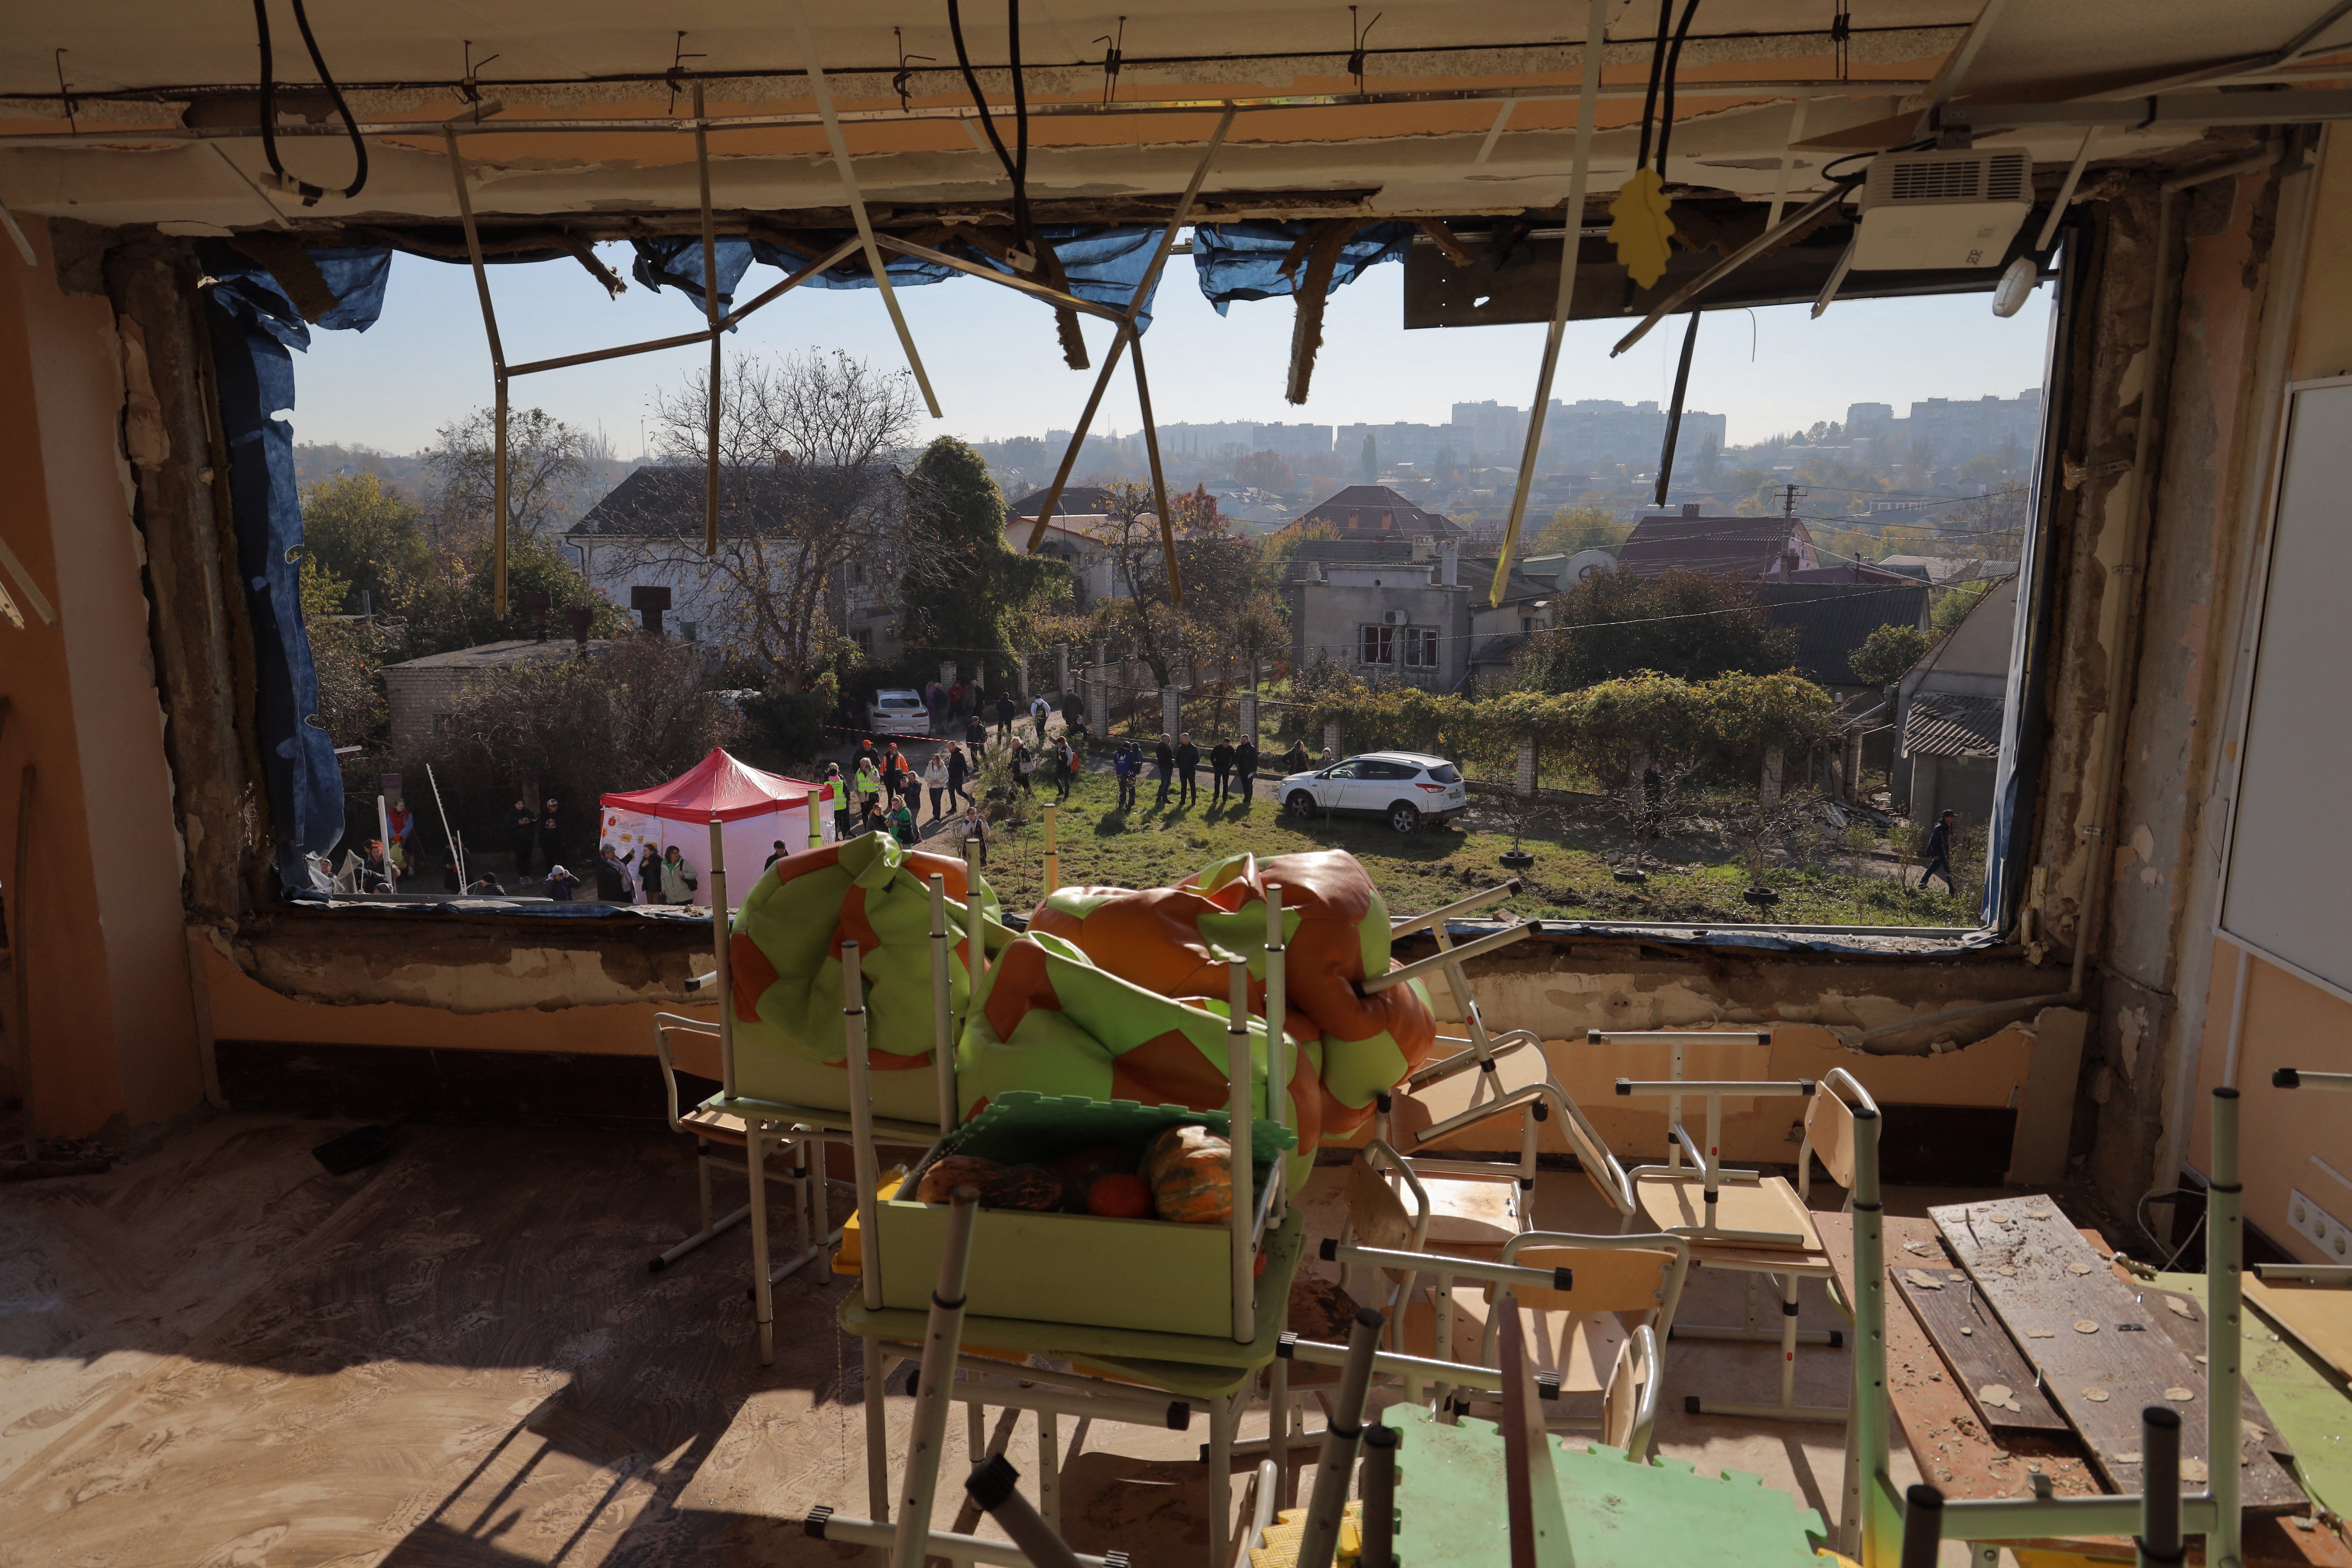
1082 1168
1191 1169
948 1172
1119 1196
1024 1187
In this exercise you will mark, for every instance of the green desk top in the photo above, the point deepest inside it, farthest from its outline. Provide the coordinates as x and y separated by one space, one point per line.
1197 1366
1450 1510
2304 1396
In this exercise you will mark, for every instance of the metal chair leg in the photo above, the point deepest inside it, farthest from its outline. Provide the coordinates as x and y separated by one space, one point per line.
763 1288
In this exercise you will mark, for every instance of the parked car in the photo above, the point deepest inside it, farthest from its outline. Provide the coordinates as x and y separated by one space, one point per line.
898 712
1405 787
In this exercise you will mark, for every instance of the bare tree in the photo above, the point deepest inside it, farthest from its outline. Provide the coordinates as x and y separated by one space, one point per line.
812 505
547 460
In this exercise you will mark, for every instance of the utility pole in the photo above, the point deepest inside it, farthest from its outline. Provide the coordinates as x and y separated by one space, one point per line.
1789 494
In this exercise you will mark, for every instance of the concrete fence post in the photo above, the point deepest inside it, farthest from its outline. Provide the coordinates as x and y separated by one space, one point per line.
1249 717
1172 710
1768 791
1331 739
1639 766
947 672
1020 662
1062 667
1527 779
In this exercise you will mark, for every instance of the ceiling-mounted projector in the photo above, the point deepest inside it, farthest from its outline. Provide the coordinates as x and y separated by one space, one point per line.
1942 209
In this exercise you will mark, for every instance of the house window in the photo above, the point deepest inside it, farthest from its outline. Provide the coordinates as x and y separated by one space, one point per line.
1377 645
1420 647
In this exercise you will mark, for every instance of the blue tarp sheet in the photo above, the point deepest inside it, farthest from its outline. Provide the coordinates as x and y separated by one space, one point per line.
1103 264
254 324
1244 260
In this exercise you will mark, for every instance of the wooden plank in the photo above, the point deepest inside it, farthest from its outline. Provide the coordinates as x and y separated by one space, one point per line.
2303 1393
2181 1315
1947 1438
2318 1316
2101 1358
1977 1347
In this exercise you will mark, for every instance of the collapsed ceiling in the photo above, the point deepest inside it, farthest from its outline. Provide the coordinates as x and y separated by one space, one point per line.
148 112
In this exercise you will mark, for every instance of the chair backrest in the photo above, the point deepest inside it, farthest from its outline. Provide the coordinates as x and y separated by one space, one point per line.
1629 1405
1829 1129
1607 1273
688 1045
1377 1215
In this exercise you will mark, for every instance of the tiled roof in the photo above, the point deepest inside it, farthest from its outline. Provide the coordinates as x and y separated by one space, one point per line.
1941 724
1084 499
1376 510
1719 546
1833 619
660 502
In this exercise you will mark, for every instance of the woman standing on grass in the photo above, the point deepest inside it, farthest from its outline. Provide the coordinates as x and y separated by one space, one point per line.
935 779
972 829
1024 765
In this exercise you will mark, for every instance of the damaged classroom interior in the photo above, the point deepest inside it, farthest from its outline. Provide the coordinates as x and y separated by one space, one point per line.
326 1222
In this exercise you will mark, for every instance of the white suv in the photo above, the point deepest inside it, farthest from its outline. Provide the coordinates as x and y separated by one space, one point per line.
1406 787
898 712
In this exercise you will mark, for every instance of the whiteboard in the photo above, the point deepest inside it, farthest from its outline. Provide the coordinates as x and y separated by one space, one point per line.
2289 882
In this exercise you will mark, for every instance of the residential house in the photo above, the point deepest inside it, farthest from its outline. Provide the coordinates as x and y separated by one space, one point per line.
1752 549
1416 613
1833 619
1948 710
1082 541
1083 500
644 541
1376 511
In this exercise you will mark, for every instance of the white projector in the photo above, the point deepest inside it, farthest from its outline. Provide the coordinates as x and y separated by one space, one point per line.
1923 210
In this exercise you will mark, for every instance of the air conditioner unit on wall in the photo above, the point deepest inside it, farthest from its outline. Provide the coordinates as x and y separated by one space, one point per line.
1394 618
1940 209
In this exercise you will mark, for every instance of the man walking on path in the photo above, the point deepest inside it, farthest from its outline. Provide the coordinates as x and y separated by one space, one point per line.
1123 767
975 735
522 828
1245 770
1066 768
1188 768
837 798
1164 761
1005 709
958 771
1040 710
1221 771
1939 853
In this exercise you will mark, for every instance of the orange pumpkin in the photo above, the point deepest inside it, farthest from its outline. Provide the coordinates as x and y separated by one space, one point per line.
1119 1197
1191 1169
1023 1188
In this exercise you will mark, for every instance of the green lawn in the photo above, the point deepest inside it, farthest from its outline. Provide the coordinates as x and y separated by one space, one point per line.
1570 878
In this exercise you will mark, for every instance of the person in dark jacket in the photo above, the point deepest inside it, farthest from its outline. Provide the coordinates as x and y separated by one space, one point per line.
1245 770
551 831
1187 769
1221 771
975 734
1124 766
560 883
1939 852
1006 711
522 830
612 878
650 871
775 853
958 771
1065 768
1164 760
1293 760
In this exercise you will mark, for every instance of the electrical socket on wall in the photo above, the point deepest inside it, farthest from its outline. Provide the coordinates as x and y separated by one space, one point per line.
2315 1225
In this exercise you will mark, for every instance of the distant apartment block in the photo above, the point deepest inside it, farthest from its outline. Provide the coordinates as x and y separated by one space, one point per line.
1954 429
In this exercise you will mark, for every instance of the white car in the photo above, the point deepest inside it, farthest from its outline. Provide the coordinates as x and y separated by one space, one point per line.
1406 787
898 712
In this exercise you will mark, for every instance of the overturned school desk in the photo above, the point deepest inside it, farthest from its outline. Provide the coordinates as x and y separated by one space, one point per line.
1942 1421
1665 1514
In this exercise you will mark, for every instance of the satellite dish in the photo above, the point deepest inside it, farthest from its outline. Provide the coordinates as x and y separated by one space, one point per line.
1585 564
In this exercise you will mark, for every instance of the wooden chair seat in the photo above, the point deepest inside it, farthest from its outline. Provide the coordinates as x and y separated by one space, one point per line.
1473 1217
1770 1205
715 1127
1411 1112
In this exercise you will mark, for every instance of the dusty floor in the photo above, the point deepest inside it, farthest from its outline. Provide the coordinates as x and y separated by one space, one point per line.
217 1354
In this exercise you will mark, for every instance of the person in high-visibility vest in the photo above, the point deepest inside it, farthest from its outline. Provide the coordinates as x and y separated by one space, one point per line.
837 798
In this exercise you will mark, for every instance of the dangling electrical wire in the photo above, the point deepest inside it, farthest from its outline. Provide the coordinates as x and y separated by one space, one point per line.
1016 169
1667 79
1650 99
303 189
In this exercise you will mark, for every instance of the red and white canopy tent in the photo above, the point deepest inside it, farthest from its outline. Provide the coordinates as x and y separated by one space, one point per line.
754 807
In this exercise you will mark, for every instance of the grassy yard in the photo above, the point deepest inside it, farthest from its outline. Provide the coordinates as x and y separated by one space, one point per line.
1570 878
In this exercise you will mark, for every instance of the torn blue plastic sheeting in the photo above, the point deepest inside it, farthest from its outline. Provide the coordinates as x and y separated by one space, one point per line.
1244 260
1103 264
254 323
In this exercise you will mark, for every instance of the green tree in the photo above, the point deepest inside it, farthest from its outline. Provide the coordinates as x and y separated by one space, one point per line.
451 607
1887 652
1686 624
1588 527
962 579
1952 607
366 536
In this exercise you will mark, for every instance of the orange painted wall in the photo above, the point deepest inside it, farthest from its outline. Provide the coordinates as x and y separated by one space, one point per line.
113 1023
2288 1023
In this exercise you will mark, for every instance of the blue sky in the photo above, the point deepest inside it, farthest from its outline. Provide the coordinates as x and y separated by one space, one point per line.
993 359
